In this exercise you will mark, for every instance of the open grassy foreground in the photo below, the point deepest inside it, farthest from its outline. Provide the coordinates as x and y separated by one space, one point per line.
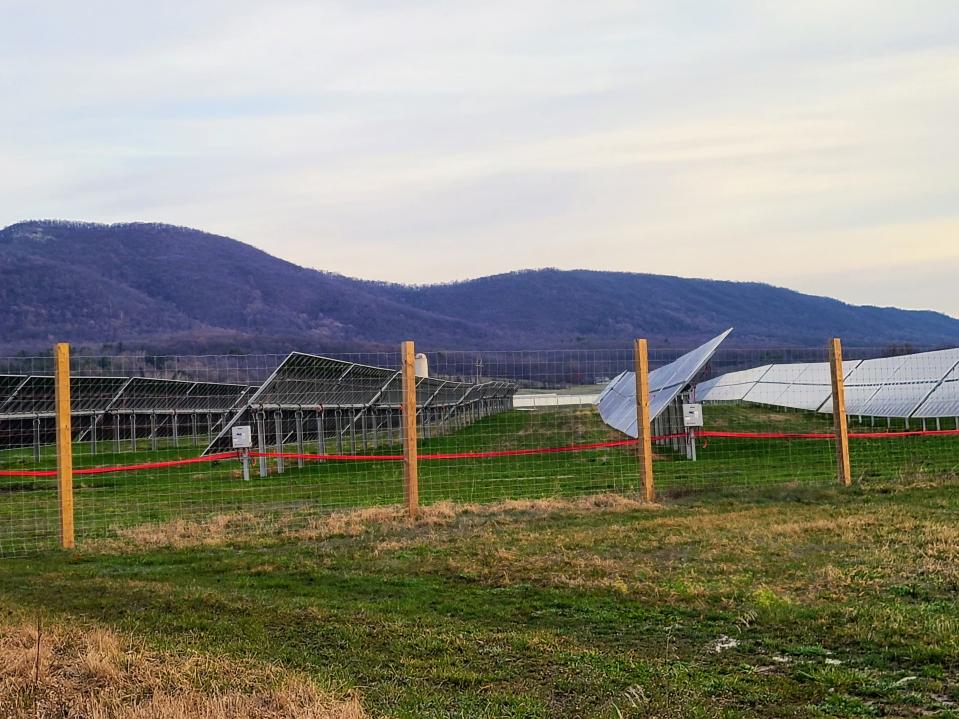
791 602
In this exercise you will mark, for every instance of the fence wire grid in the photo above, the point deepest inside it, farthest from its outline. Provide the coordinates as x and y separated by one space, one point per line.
327 432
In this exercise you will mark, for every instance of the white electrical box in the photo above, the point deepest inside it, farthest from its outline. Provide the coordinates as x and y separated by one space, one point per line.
242 437
692 415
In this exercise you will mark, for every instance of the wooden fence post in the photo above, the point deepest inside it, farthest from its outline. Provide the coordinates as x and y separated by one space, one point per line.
839 412
64 443
645 446
410 472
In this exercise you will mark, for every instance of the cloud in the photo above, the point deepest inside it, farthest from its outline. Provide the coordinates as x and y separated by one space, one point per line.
802 144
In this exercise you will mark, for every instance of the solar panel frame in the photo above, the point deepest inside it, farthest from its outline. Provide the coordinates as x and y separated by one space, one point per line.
943 401
617 402
34 397
304 382
895 400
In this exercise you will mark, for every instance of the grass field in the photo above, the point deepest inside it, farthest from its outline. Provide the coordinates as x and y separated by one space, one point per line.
108 503
802 601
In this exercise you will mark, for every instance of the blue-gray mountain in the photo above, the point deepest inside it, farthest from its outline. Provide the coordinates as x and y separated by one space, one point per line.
178 289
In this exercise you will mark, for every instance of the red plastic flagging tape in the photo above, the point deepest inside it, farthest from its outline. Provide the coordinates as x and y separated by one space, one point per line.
704 434
123 468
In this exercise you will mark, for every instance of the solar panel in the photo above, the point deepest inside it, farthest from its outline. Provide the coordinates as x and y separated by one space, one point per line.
857 397
682 370
805 396
35 396
617 401
730 386
943 402
212 397
894 400
926 366
313 383
152 395
766 392
875 371
89 395
9 383
785 373
723 393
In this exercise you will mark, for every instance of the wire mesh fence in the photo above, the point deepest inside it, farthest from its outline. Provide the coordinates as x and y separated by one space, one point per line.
152 437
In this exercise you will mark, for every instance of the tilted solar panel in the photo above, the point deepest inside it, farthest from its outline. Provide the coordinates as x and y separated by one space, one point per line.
617 401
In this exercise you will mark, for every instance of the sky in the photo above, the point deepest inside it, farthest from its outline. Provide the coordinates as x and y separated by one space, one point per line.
811 145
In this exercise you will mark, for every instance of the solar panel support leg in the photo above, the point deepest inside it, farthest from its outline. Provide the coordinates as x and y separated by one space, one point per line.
261 441
363 419
691 444
209 427
278 421
175 420
153 431
299 439
133 432
320 434
116 433
193 429
36 439
352 436
93 434
338 419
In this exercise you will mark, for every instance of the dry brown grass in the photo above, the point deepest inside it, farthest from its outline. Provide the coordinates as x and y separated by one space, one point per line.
237 527
670 559
97 675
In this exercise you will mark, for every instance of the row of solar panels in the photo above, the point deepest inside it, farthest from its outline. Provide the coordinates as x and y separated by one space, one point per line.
923 385
617 402
309 382
34 395
301 382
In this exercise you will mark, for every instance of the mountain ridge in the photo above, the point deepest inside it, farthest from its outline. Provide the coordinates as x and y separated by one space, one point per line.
168 286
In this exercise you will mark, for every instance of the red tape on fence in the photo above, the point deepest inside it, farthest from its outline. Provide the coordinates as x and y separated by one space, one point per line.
703 434
123 468
829 435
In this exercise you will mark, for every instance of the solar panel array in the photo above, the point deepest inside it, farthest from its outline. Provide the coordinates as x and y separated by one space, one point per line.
617 402
33 396
346 399
922 385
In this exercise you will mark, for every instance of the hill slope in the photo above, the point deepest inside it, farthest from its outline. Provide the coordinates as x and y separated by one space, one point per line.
182 288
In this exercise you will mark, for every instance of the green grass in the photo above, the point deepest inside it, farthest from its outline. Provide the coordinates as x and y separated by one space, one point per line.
829 603
104 503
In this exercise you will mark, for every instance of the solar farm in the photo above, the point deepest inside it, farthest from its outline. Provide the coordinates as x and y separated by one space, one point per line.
154 441
626 533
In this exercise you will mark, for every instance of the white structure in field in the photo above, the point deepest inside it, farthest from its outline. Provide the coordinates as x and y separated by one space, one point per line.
617 402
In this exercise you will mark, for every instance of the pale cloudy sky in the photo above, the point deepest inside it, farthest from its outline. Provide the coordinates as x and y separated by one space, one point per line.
808 144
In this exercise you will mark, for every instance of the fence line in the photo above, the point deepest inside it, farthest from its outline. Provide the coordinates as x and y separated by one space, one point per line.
150 438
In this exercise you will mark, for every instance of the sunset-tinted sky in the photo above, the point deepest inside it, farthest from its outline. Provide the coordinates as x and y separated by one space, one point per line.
807 144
